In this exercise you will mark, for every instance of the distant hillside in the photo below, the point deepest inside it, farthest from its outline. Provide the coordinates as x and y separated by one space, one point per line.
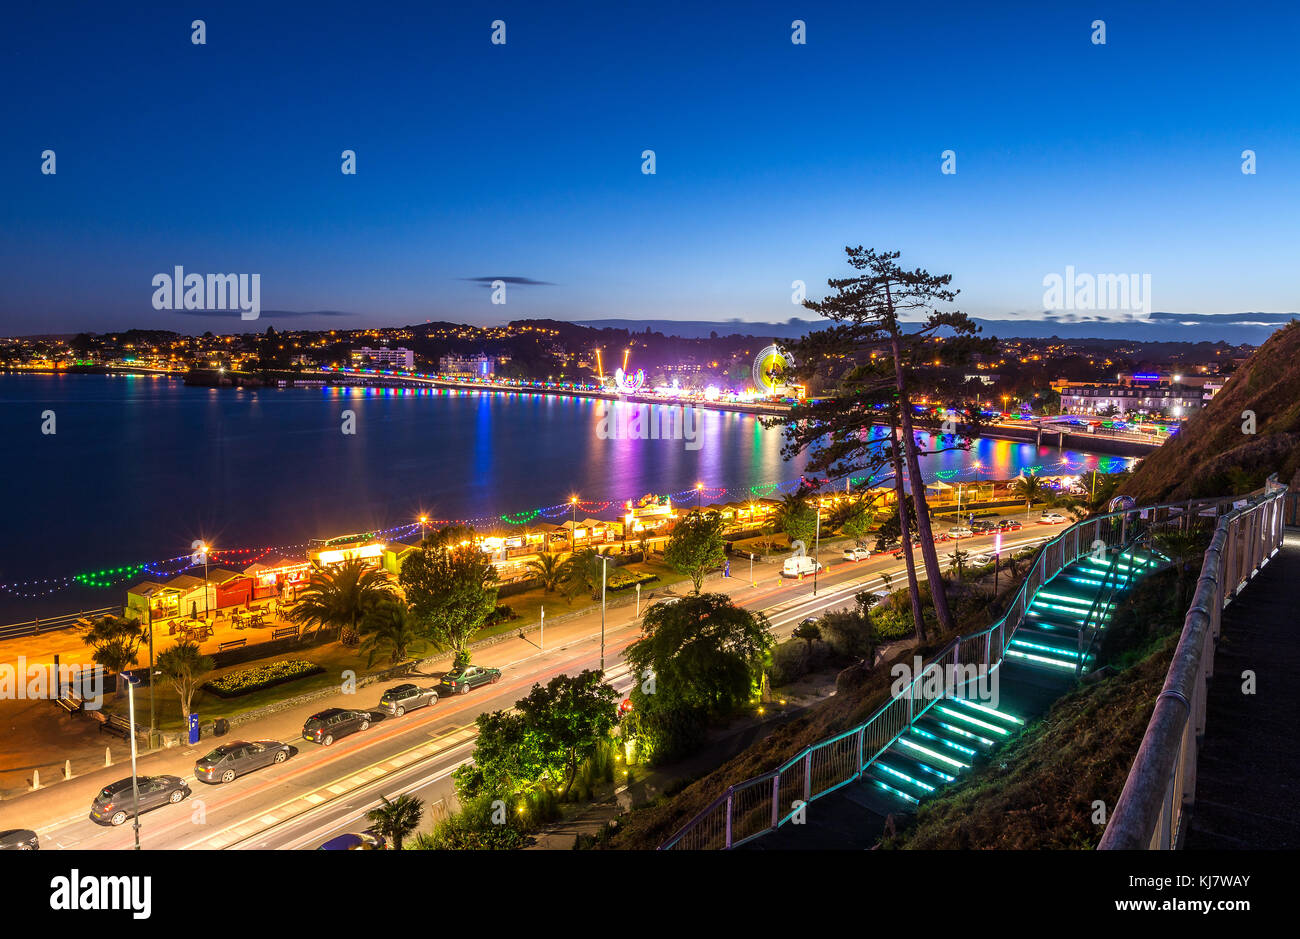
1212 454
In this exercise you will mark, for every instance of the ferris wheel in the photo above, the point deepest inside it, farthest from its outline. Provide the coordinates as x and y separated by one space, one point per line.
772 359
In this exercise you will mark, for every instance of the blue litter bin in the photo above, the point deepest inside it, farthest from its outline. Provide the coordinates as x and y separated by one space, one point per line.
726 571
194 728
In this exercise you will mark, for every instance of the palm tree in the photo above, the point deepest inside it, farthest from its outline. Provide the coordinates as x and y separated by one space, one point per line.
393 628
549 570
1031 489
583 570
185 667
339 596
397 819
115 642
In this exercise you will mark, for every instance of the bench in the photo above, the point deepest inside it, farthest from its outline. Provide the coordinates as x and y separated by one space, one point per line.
115 726
70 702
284 632
231 644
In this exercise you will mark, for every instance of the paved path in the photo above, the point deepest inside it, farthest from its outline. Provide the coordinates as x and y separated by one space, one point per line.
1247 789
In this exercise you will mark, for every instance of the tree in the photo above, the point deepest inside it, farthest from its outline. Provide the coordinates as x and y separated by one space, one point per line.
584 571
449 583
796 517
338 597
697 659
809 632
185 667
397 819
878 365
696 546
959 558
392 628
1031 489
115 642
1180 546
568 719
548 568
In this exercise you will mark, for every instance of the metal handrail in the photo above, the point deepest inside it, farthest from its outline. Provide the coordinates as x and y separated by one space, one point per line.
1153 807
1088 633
752 808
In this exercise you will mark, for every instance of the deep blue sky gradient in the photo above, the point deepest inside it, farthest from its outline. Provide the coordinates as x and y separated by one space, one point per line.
524 160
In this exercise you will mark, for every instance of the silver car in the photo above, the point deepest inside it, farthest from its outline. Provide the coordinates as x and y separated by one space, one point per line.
239 757
399 699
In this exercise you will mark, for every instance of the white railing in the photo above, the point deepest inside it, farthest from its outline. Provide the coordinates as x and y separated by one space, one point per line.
1161 785
763 803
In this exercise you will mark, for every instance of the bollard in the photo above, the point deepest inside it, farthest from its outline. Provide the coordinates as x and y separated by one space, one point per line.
108 757
36 779
67 770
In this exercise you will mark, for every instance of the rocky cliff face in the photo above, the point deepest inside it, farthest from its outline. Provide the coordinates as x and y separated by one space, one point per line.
1217 452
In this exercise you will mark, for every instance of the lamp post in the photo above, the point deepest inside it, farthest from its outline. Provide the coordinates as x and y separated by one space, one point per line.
817 542
135 779
153 725
541 632
604 575
751 570
206 608
638 601
573 532
699 497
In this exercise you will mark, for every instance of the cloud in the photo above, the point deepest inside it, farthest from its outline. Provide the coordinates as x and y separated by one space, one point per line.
517 281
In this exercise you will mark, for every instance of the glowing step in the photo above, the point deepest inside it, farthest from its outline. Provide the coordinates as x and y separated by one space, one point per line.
990 712
890 789
951 761
962 732
974 721
921 732
899 774
1052 650
1042 660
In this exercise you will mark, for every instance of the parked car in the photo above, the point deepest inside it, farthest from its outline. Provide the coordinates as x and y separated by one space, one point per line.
399 699
368 840
461 680
116 801
856 554
239 757
940 536
983 526
1051 518
19 839
332 723
1009 524
960 532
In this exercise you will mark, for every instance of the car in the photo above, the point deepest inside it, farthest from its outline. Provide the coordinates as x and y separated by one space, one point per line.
960 532
1009 524
940 536
461 680
399 699
332 723
799 566
19 839
239 757
116 801
1051 518
368 840
983 526
856 554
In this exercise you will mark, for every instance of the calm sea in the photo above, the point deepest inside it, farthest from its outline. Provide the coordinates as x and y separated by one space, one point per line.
140 467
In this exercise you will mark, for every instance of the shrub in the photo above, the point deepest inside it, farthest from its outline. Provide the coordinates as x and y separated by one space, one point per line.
623 579
888 623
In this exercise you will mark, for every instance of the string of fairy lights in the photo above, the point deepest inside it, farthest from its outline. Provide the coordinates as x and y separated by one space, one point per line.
110 577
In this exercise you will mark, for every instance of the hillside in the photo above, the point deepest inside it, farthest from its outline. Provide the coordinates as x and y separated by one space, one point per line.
1212 455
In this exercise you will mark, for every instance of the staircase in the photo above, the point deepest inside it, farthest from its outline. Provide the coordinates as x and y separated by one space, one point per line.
1042 661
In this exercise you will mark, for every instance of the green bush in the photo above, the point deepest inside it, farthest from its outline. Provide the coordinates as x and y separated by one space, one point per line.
247 680
888 623
473 829
622 579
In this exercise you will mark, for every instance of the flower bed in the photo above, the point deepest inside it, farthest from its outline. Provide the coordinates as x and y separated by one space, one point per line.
247 680
622 580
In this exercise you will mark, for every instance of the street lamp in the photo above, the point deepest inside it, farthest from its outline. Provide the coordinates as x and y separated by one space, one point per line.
817 541
699 497
604 576
207 610
573 532
751 570
131 682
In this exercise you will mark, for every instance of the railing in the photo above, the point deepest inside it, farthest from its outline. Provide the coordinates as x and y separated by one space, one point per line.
1105 600
1161 785
37 626
753 808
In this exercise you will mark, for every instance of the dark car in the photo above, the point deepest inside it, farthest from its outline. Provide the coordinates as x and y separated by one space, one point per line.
239 757
368 840
983 526
470 676
116 801
1008 524
399 699
19 839
332 723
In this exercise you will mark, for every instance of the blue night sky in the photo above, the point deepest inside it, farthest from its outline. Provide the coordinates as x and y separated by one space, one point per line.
524 160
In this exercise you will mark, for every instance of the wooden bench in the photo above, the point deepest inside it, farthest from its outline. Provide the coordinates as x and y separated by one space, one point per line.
70 702
284 632
231 644
109 724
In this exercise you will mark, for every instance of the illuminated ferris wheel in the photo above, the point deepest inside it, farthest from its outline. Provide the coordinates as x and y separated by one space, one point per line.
771 359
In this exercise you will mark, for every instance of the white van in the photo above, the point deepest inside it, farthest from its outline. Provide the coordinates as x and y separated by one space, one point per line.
799 566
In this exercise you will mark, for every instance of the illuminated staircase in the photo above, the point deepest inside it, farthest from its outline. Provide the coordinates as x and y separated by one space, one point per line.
1041 664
